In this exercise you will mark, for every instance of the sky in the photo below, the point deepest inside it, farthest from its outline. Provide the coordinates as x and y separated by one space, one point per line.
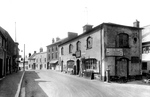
38 21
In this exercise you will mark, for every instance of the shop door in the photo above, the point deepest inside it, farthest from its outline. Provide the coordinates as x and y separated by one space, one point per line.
122 67
78 66
1 67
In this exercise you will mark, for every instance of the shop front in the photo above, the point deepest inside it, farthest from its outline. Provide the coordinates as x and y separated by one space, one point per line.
53 64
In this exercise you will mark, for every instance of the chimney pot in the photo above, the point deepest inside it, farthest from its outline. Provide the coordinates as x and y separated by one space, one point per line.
136 24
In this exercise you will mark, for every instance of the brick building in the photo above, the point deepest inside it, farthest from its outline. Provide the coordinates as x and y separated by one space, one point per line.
53 51
9 53
107 46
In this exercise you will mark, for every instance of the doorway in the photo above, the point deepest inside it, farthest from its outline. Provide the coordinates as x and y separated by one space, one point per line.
78 66
1 67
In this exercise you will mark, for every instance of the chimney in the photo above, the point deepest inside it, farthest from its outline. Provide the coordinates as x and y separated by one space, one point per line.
34 52
57 38
87 28
53 40
41 49
72 35
136 24
29 54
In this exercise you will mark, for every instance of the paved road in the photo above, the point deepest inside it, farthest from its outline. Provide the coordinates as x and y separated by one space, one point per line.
58 84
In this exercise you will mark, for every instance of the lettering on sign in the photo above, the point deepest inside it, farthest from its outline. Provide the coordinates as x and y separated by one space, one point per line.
114 52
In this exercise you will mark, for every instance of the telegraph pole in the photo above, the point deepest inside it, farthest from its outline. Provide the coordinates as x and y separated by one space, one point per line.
24 59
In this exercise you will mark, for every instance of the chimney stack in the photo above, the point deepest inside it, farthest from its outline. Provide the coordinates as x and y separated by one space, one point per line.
136 24
57 38
29 54
41 49
34 52
53 40
87 28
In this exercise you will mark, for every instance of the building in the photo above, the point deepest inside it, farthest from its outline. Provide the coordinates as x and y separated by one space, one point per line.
108 46
9 54
53 52
23 64
146 49
38 61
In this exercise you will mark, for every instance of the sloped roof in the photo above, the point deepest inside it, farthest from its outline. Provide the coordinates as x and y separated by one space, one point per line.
32 56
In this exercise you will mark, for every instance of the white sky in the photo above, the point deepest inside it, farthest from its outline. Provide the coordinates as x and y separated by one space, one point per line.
38 21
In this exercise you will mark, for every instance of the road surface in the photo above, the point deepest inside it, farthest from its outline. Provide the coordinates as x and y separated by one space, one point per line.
57 84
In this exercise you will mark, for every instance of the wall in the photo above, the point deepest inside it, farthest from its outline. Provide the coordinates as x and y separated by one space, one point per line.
94 52
134 49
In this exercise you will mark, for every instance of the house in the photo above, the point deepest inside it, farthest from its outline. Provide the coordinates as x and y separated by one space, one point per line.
53 51
146 49
108 46
38 61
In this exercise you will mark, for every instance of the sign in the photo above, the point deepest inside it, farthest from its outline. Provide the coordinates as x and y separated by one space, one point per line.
78 54
114 52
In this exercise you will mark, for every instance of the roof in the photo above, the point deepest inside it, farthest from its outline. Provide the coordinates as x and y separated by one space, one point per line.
98 27
56 42
32 56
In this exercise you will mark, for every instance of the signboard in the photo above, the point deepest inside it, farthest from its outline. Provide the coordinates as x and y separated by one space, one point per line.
78 54
114 52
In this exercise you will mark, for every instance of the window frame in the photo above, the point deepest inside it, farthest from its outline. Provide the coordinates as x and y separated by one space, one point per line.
78 45
121 40
89 46
62 51
70 48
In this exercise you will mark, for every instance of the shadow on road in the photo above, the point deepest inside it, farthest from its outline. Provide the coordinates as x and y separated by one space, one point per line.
31 83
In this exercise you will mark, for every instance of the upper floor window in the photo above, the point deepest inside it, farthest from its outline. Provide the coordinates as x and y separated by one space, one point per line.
70 48
56 55
89 42
123 40
49 50
62 51
52 49
45 59
78 45
52 55
56 48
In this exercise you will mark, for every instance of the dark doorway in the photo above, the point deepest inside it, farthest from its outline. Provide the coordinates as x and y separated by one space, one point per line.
1 67
78 66
61 66
48 67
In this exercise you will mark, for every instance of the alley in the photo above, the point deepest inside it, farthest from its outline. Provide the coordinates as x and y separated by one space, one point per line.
57 84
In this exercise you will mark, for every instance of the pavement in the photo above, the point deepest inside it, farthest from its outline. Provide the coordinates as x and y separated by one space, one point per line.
50 83
10 84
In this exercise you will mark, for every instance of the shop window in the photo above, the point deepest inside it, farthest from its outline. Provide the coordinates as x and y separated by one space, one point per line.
62 51
78 45
144 65
90 64
89 42
70 48
123 40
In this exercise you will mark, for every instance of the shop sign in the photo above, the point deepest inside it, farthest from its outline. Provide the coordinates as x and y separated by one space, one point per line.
114 52
78 54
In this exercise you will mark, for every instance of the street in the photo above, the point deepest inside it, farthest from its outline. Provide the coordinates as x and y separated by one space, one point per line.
50 83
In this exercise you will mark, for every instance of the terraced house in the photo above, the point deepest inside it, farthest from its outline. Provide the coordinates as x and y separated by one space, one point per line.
9 53
107 46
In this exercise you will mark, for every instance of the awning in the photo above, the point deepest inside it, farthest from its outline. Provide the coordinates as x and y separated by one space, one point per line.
53 61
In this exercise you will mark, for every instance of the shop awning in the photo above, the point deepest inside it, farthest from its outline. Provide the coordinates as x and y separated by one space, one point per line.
53 61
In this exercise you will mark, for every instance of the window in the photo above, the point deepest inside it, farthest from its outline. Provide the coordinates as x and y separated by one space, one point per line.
45 59
40 60
56 48
56 55
49 57
144 50
62 51
49 50
134 59
78 45
52 49
90 64
70 48
52 55
123 40
89 42
144 65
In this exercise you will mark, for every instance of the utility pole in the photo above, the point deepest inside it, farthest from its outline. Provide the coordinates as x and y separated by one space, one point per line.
24 59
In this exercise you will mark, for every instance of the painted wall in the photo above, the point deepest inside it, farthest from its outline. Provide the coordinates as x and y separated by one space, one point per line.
94 52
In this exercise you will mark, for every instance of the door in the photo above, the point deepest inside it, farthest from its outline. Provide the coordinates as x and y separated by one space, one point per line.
1 67
78 66
122 67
